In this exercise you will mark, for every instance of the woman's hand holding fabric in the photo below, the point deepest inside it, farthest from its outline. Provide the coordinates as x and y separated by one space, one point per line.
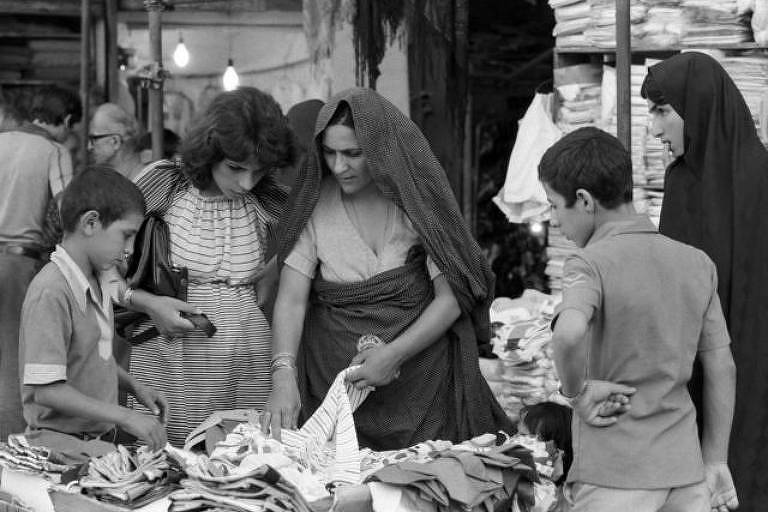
166 315
378 367
284 403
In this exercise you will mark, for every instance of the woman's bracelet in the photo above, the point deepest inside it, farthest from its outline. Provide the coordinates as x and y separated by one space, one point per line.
281 364
128 296
283 355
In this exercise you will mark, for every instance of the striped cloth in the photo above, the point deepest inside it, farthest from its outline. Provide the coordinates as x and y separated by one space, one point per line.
222 243
332 421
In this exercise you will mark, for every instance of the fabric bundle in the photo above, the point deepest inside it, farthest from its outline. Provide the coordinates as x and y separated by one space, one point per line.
21 455
601 31
572 19
714 22
526 373
464 480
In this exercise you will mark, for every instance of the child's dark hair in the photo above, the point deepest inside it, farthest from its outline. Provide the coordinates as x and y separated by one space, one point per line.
104 190
591 159
52 104
551 421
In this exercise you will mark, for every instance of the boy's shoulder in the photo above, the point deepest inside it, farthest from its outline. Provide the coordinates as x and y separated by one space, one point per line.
50 281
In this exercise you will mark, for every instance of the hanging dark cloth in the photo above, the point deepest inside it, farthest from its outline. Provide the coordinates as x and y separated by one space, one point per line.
716 199
407 172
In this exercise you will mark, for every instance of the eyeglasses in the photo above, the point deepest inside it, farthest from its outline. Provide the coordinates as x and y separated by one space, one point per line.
93 137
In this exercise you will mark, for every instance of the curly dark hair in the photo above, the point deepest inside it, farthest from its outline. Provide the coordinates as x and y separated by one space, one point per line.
238 125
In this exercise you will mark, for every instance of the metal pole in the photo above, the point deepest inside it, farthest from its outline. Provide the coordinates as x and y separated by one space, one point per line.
623 65
154 9
85 77
110 34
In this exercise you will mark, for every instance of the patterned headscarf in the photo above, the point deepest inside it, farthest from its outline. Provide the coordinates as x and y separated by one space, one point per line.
407 172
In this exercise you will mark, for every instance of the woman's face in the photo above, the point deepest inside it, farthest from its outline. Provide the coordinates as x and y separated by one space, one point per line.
345 159
667 125
234 179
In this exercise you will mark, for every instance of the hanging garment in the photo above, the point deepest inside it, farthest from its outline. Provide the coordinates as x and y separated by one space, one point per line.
522 197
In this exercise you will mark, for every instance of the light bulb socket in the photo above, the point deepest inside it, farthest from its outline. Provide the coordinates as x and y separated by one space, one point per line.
230 62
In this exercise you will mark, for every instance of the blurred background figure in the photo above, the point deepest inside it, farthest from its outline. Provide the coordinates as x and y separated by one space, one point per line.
113 140
302 117
171 143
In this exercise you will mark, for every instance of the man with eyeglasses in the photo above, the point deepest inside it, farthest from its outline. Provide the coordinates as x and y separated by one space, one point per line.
34 169
112 140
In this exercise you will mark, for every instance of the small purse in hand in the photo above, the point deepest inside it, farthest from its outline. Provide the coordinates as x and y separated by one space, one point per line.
150 269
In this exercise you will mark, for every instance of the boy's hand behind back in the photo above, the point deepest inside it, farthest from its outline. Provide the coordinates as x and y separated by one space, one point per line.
146 428
722 492
601 403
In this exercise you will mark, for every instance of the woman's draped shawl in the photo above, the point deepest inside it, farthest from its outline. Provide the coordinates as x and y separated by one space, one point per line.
716 199
407 172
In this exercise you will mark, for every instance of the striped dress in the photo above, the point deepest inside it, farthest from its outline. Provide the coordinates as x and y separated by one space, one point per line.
222 243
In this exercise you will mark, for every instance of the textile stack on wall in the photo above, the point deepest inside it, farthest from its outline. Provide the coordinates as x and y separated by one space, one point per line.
572 17
714 22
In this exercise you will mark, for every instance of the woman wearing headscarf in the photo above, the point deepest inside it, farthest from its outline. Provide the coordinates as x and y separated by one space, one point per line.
373 244
716 199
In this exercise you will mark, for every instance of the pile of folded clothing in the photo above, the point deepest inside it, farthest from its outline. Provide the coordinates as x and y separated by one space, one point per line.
513 474
526 373
20 455
571 20
714 22
750 74
663 25
601 31
558 249
126 477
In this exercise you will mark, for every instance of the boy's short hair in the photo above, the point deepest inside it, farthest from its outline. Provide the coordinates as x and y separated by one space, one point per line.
103 189
591 159
52 104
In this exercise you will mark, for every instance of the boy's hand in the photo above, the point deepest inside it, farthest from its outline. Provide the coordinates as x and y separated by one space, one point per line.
146 428
602 402
166 314
722 492
152 400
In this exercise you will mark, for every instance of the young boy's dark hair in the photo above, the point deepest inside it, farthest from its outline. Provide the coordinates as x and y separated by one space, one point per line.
52 104
104 190
551 422
591 159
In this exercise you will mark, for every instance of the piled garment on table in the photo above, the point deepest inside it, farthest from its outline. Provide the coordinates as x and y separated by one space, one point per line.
571 20
714 22
462 479
126 478
526 372
21 455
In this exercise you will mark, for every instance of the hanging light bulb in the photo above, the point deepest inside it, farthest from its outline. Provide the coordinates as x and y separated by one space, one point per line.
180 54
230 78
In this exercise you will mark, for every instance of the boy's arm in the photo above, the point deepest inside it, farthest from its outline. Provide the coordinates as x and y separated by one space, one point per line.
146 395
570 350
67 400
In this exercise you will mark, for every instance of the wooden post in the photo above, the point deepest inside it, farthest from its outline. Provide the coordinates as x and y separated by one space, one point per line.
154 9
110 36
623 67
85 75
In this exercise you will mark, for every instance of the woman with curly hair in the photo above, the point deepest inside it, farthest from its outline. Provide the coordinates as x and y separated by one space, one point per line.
221 205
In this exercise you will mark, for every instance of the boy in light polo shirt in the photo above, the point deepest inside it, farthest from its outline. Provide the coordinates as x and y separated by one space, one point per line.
69 378
637 308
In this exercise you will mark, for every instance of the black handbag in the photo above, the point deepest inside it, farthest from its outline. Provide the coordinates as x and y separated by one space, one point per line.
150 269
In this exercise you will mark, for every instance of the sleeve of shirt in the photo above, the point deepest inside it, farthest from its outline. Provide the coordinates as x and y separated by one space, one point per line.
46 327
59 169
582 289
714 332
303 257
